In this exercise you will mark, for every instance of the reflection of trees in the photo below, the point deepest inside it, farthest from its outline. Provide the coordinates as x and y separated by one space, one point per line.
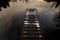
55 35
57 19
5 3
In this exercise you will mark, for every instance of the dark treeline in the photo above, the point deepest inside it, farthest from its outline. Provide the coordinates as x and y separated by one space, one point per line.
57 1
25 0
5 3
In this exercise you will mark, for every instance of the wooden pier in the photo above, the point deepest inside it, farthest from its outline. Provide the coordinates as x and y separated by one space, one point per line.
31 29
